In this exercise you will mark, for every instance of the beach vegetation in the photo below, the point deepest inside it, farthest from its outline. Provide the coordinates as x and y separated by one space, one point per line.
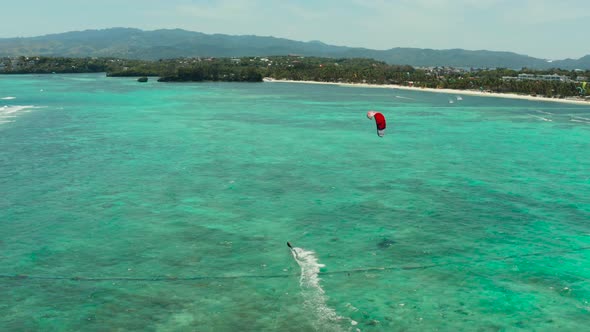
299 68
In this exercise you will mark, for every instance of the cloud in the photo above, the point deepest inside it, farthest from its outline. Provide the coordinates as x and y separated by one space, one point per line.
544 11
244 10
219 10
536 27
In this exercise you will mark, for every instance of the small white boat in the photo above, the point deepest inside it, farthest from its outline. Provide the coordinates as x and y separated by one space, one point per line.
459 98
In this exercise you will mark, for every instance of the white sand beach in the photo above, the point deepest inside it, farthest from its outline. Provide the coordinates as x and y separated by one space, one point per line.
447 91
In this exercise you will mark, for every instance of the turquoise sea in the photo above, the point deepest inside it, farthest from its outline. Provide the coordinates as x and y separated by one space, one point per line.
167 207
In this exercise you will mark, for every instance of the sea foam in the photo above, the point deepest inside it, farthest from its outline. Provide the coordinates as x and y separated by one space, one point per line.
581 118
543 112
8 113
325 318
541 118
7 98
580 121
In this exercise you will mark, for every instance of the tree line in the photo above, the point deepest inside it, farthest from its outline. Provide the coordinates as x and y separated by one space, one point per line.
355 70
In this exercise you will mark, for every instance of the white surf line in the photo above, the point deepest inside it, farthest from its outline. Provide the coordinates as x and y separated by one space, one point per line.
326 318
401 97
7 98
14 109
541 118
542 112
9 112
581 118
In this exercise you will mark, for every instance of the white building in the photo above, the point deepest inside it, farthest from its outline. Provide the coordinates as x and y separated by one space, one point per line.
523 77
532 77
553 77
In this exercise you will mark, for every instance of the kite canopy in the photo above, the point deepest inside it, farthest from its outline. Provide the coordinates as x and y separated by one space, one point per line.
582 89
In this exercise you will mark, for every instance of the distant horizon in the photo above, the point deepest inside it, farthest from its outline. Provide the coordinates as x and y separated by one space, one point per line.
543 29
305 41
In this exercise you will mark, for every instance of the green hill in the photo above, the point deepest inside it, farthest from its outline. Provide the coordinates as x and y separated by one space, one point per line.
162 44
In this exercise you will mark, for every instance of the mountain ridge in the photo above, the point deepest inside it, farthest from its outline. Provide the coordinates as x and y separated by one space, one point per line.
135 43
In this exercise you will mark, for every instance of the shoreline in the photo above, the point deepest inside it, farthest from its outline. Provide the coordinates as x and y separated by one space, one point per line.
446 91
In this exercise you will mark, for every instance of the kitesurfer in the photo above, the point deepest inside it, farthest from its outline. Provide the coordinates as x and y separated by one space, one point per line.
379 121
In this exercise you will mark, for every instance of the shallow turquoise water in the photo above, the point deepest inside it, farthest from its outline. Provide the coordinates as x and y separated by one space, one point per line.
166 207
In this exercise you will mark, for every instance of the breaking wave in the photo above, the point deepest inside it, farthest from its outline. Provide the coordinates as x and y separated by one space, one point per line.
9 113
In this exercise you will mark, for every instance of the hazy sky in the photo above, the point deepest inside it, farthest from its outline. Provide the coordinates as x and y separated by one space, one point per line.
552 29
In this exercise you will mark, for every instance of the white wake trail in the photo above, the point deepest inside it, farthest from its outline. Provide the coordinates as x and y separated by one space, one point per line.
315 301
